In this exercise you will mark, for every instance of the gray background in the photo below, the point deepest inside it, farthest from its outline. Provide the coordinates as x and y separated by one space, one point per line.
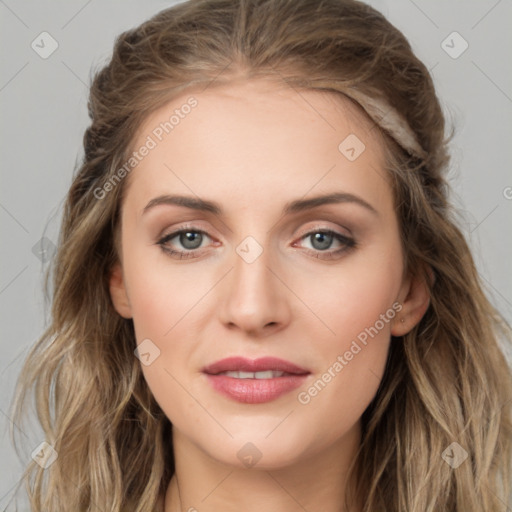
43 108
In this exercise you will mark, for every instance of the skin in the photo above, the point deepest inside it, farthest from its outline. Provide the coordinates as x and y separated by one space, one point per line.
252 146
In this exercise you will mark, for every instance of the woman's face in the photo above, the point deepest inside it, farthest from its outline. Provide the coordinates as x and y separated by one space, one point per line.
304 292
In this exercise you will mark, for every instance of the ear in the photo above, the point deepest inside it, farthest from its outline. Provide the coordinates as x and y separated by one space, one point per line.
118 292
415 298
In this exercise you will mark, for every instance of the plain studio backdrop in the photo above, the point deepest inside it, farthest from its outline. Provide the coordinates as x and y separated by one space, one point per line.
47 51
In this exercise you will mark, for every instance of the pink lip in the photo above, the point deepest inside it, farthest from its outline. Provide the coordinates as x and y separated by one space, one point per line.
254 391
241 364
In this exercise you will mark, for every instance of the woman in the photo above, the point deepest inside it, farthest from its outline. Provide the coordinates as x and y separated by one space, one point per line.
261 298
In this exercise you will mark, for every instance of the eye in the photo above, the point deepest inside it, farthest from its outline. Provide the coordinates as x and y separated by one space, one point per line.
189 238
322 240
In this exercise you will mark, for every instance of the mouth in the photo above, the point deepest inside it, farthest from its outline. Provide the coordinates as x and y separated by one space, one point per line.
246 368
254 381
266 374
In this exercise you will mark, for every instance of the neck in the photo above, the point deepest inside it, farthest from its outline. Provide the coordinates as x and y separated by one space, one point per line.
203 484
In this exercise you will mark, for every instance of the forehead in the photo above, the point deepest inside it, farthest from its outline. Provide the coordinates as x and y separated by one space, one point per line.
250 135
265 101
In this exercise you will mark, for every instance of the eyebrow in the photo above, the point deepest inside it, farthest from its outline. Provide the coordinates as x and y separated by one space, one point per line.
300 205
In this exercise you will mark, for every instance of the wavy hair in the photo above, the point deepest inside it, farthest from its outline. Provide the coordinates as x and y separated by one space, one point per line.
446 381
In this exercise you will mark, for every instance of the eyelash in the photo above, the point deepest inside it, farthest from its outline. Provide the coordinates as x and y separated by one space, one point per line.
347 242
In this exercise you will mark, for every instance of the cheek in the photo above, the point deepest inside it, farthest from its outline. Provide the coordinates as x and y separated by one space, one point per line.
354 297
162 294
357 308
166 302
162 315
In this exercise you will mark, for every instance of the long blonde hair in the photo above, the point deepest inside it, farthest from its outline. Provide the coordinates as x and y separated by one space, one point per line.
446 381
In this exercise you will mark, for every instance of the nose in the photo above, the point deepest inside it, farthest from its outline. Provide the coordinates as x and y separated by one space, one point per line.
254 298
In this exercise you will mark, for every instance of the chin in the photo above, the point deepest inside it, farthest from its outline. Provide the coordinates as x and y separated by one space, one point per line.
255 449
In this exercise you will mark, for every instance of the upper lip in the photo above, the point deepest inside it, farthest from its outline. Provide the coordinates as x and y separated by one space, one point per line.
253 365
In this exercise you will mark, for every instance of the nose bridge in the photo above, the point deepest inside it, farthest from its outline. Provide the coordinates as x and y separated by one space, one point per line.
254 297
251 266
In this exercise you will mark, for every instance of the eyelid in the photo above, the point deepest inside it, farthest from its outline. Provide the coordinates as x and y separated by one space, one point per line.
347 242
324 227
196 228
183 229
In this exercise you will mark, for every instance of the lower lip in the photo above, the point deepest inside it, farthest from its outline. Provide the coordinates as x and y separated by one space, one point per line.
255 391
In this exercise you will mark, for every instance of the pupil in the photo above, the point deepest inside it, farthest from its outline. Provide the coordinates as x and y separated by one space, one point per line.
189 238
326 238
